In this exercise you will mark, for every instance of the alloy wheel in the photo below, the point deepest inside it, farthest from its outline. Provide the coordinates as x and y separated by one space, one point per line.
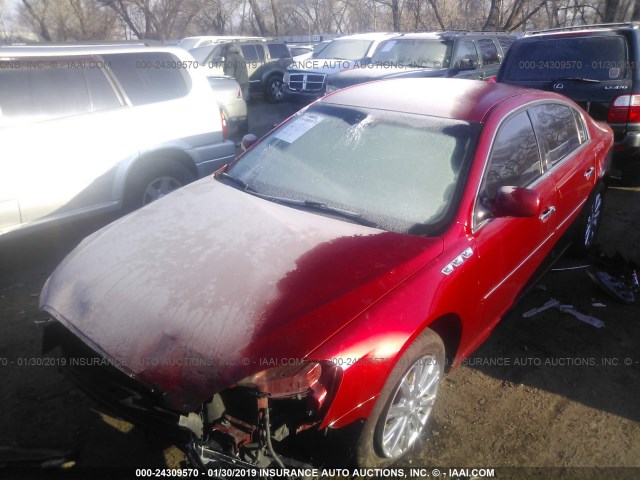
159 188
410 407
593 220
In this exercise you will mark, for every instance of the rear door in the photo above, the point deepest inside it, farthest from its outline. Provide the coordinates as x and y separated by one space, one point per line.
255 59
567 156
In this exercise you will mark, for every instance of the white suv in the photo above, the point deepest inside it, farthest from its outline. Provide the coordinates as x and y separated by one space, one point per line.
85 129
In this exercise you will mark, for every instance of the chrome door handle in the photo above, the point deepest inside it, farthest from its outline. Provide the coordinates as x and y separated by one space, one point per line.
547 213
589 172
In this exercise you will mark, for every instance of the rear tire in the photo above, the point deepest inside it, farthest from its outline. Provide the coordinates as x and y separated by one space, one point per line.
404 408
149 184
589 223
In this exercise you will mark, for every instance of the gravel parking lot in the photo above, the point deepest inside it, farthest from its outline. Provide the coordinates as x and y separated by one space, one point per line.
546 391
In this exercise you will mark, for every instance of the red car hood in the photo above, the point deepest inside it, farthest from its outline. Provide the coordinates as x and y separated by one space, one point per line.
205 287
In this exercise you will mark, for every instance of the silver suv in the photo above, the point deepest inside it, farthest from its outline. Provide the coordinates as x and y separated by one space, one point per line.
86 129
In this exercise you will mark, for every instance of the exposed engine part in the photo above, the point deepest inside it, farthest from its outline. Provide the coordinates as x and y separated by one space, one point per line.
193 422
233 432
215 408
231 442
264 403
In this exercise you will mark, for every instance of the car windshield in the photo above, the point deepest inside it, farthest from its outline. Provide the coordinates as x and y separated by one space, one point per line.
414 53
401 172
345 50
596 58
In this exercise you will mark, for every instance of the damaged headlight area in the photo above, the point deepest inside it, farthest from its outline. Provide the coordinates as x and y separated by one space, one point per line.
255 422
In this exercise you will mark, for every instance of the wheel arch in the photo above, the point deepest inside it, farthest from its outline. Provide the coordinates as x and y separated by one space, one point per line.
165 156
275 72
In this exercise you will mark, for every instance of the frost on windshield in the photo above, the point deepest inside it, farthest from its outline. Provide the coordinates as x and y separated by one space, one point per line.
397 170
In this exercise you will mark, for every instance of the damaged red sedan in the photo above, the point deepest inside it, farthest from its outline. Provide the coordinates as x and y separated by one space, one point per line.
321 282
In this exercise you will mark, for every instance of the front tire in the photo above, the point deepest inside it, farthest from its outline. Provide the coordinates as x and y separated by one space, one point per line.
274 90
404 407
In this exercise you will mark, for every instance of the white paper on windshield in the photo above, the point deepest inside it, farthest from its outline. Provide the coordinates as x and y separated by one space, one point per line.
388 46
298 127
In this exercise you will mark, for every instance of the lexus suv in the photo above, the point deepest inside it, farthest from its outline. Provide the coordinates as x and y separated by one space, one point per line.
87 129
474 55
595 66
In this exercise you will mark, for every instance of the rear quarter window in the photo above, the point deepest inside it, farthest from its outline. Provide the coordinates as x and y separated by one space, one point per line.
547 59
149 77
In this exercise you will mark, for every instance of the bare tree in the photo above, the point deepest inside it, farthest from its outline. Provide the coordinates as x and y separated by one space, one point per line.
67 20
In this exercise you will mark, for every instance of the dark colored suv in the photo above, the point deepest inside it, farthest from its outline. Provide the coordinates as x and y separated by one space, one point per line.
596 66
266 63
475 55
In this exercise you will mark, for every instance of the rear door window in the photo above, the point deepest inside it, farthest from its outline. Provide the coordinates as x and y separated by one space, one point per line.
488 52
149 77
249 53
597 58
556 125
466 55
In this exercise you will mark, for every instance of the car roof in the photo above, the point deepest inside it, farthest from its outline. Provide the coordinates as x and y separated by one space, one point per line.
580 30
367 36
447 34
72 49
459 99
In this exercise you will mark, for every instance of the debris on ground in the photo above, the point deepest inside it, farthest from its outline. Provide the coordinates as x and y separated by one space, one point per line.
570 309
615 275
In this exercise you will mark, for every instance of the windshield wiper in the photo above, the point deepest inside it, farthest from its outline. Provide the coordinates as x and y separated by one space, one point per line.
237 181
348 214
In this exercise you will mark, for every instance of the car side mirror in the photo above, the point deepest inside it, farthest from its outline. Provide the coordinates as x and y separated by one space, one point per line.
516 202
247 141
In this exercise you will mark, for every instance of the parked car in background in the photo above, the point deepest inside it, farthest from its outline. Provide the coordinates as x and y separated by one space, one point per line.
474 55
311 51
189 43
317 291
266 63
86 129
595 66
299 50
318 47
306 81
230 100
